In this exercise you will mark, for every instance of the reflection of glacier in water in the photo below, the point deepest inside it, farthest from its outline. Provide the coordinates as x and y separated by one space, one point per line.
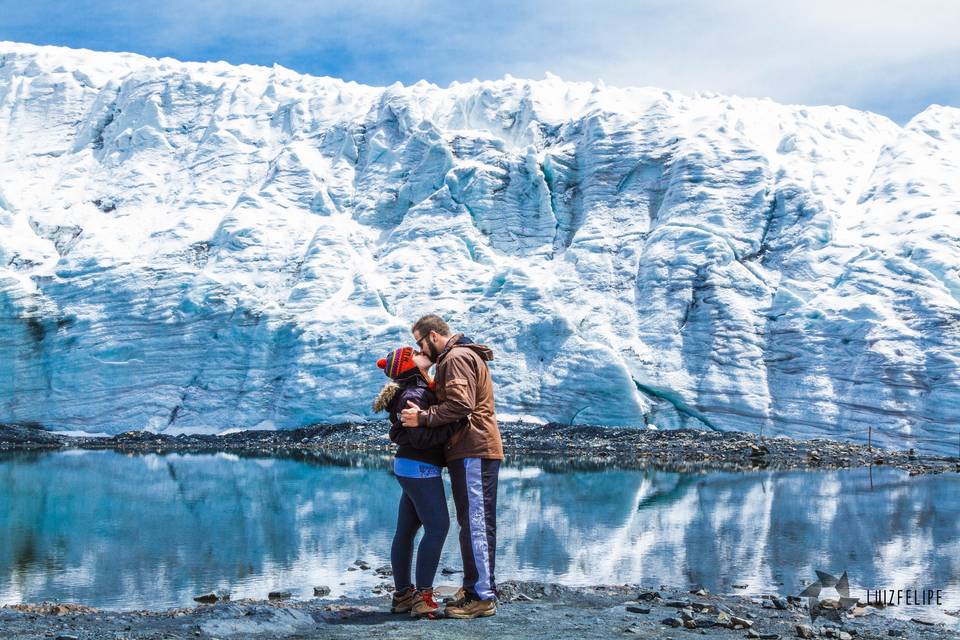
152 531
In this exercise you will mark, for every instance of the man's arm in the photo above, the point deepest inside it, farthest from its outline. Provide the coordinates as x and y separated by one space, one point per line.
406 398
460 393
423 438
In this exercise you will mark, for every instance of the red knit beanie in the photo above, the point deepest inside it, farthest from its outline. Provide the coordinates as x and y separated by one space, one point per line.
397 362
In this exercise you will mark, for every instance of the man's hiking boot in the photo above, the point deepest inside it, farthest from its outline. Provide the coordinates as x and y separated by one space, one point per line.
471 607
424 606
457 598
403 600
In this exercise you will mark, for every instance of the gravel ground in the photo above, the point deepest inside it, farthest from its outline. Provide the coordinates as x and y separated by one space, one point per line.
678 450
528 610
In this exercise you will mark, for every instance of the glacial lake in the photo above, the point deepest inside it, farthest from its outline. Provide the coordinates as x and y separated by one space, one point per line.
152 531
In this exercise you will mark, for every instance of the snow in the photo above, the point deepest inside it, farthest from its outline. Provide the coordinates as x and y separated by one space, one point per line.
201 247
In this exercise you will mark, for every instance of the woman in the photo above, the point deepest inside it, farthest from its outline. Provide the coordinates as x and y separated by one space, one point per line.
417 466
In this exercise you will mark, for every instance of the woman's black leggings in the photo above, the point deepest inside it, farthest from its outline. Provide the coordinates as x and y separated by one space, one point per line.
423 502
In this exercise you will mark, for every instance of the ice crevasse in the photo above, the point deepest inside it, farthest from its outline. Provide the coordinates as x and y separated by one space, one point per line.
201 246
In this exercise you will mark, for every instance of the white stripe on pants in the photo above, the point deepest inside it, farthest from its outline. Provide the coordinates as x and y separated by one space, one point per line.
478 527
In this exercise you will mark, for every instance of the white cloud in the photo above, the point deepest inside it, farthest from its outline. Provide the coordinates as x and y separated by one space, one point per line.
891 56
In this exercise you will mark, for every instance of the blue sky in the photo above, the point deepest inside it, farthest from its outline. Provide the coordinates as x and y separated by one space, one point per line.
892 57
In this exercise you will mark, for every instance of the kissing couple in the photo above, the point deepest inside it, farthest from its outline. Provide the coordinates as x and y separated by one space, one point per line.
448 421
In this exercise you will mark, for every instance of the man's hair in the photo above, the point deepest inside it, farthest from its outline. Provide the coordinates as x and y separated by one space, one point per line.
429 323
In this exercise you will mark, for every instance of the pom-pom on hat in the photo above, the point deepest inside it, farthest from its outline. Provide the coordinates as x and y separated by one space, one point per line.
398 362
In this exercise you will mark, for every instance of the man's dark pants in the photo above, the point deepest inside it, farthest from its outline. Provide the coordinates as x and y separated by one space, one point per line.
474 484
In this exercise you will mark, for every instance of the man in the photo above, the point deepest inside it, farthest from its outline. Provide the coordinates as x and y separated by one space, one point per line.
465 392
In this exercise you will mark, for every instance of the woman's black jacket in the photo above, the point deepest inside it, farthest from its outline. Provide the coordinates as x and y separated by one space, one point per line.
417 443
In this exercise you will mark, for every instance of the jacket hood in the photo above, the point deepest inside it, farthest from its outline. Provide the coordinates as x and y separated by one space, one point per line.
389 390
485 353
385 396
460 340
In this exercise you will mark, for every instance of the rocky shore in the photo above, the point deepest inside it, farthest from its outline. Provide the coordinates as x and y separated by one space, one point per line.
530 610
580 446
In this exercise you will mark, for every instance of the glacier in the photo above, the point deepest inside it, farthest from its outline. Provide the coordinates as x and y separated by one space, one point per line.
201 246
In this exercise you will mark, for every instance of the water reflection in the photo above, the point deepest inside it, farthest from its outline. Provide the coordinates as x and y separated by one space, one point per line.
153 531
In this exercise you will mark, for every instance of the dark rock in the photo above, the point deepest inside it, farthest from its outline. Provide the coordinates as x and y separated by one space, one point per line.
647 596
804 631
207 598
757 451
672 622
638 609
67 636
677 604
448 571
280 595
779 603
321 591
736 621
741 585
922 621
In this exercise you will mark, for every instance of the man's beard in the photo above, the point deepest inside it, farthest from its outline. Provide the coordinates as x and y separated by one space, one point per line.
433 353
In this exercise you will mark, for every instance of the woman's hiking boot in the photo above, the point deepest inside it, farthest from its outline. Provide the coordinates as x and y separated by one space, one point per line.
403 600
424 606
471 607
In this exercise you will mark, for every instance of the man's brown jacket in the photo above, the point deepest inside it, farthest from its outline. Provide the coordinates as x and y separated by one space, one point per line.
465 390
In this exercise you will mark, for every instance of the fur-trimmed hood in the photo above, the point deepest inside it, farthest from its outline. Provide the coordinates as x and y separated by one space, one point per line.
382 403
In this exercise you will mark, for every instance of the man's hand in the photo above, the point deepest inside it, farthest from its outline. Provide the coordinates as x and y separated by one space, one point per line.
408 417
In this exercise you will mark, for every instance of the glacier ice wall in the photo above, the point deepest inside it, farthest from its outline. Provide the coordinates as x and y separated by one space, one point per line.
190 246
